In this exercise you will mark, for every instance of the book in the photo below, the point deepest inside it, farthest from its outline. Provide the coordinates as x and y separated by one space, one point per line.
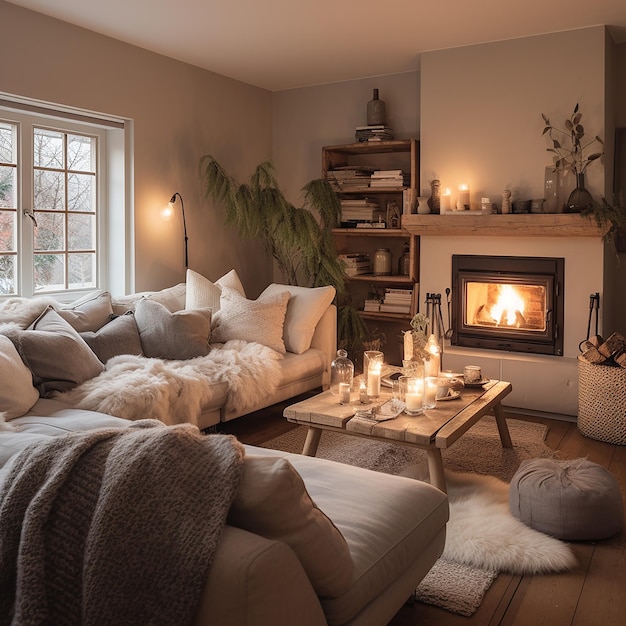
395 308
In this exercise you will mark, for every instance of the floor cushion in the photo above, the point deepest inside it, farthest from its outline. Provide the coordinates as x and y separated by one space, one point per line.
575 500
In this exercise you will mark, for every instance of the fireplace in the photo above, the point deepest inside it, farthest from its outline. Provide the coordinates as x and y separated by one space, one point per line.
508 303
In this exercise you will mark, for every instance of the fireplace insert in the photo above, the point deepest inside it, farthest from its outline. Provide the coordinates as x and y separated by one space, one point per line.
508 303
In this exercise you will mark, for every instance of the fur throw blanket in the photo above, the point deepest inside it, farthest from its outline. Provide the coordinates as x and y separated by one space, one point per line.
135 387
114 526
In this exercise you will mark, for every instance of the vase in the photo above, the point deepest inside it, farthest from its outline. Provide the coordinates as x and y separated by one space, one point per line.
422 205
375 111
580 198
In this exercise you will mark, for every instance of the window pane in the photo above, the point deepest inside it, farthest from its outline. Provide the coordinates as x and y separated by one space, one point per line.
47 148
49 191
81 271
80 153
50 231
7 142
7 231
7 187
49 272
81 232
81 192
7 275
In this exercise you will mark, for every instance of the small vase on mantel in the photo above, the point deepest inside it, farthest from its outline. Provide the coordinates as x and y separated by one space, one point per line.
375 110
580 198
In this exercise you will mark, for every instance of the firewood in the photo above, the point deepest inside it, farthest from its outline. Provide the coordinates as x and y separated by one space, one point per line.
613 346
621 359
592 355
595 340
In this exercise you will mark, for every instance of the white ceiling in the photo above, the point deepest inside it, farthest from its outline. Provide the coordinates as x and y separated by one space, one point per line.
283 44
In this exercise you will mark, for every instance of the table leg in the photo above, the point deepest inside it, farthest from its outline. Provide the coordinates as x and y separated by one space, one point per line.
312 441
503 429
435 469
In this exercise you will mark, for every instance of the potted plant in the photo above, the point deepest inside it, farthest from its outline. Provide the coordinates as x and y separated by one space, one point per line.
611 220
573 152
297 238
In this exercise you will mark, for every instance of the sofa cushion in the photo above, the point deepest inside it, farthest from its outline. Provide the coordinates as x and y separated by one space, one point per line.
259 320
17 394
89 313
172 298
175 336
119 336
272 501
202 293
305 309
56 354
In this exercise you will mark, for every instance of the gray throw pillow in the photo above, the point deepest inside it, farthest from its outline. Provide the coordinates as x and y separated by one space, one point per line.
119 336
56 354
174 336
88 313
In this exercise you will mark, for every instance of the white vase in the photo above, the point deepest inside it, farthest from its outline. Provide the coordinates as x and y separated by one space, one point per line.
422 205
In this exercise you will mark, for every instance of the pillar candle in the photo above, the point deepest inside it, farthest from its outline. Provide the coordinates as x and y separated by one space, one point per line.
344 393
408 345
373 380
463 198
445 200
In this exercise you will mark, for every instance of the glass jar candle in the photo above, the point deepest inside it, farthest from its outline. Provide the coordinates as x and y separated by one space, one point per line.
372 370
412 394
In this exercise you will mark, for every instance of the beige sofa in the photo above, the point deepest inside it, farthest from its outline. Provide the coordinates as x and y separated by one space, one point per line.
307 542
223 355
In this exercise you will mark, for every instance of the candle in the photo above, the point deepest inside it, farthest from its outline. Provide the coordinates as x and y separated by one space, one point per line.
344 393
373 379
363 393
408 345
433 364
414 395
463 198
445 200
430 392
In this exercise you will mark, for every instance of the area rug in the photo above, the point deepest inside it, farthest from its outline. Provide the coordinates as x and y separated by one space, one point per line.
483 538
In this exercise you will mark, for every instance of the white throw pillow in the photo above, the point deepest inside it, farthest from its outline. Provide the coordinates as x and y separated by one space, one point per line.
259 320
202 293
17 393
305 309
89 313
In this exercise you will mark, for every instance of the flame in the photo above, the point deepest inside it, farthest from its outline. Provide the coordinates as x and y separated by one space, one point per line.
508 305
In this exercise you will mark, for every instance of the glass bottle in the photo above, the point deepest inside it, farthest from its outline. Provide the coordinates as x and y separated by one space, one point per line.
375 111
404 262
341 375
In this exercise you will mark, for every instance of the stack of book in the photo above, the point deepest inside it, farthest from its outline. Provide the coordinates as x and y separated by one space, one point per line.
389 178
350 177
379 132
397 301
372 305
356 264
356 211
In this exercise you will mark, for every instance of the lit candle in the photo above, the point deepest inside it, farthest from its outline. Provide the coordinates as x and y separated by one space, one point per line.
430 392
373 379
414 395
445 200
363 393
433 364
344 393
463 198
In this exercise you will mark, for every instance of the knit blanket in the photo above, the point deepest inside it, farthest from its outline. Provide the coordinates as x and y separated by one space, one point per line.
136 387
114 526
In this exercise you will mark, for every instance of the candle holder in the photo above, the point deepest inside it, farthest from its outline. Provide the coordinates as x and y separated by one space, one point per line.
431 384
372 368
412 394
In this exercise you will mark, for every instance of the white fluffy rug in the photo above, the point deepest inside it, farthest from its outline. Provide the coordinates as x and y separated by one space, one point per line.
135 387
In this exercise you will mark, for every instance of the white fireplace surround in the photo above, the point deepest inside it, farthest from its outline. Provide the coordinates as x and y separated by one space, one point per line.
545 384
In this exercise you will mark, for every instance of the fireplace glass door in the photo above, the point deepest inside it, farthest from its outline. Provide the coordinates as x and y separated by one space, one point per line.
508 303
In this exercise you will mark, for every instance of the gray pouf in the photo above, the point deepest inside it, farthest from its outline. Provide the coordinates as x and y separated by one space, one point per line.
574 500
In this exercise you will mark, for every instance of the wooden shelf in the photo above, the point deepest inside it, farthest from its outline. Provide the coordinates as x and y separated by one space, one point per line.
371 232
375 278
509 225
390 317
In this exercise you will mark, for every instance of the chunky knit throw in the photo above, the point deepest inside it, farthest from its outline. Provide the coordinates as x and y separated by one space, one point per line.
114 526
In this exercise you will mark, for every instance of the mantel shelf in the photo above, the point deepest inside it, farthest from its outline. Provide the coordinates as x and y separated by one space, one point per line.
509 225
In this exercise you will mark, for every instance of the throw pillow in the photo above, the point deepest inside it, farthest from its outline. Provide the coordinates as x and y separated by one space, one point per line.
174 336
172 298
305 309
119 336
272 501
55 353
202 293
17 394
258 320
89 313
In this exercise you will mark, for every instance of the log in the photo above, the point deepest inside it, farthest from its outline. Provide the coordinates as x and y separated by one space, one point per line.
614 346
591 354
621 359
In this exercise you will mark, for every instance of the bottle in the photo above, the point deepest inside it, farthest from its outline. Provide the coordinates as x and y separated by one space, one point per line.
382 262
375 111
404 262
341 375
435 196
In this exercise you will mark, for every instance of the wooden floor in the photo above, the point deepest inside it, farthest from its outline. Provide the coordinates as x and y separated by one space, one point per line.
592 594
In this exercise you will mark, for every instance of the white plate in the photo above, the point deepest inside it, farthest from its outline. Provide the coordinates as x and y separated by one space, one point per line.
452 395
478 383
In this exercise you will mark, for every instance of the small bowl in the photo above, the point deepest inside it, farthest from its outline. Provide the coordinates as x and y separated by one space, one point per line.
521 206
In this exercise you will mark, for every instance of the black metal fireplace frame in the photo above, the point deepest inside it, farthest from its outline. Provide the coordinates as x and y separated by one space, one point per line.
548 271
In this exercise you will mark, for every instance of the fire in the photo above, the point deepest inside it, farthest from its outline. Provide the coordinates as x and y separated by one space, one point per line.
509 308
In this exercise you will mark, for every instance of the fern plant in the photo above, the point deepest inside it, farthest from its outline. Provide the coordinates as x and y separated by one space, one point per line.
299 239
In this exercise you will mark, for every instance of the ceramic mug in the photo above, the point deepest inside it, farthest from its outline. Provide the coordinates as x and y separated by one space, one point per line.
472 374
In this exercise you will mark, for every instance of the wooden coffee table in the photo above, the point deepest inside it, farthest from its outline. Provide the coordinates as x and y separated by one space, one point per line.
433 430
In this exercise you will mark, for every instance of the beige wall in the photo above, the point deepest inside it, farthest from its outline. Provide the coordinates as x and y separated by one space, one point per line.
180 113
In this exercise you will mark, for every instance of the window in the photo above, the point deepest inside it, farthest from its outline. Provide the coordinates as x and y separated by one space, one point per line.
54 203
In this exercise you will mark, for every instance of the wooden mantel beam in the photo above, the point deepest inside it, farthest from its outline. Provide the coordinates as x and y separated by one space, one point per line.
509 225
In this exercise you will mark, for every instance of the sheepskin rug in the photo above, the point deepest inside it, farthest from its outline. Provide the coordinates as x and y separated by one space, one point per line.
135 387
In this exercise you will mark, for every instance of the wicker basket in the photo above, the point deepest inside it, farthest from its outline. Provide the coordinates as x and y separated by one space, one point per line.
602 402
